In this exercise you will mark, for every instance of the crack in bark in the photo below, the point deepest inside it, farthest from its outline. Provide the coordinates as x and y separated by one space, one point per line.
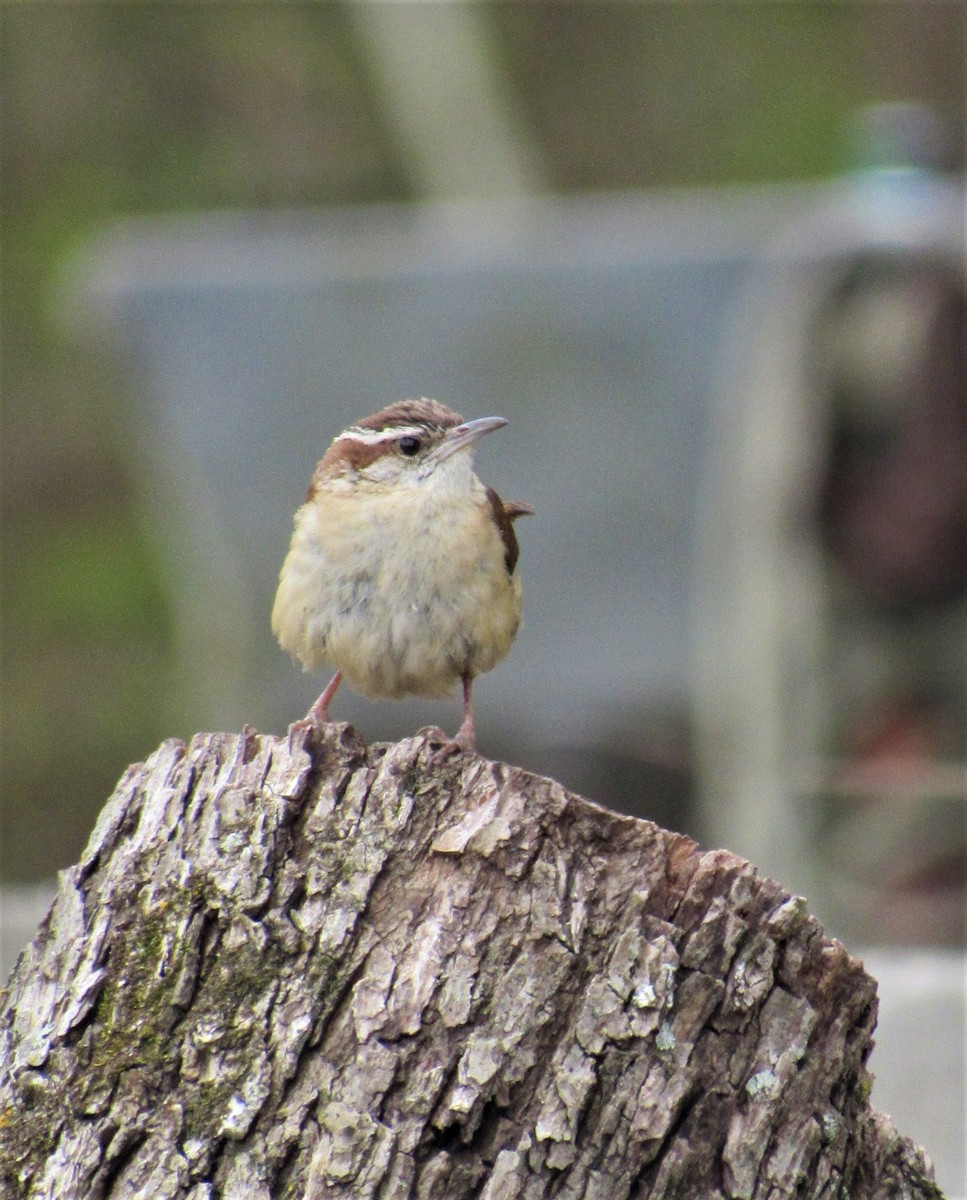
116 1161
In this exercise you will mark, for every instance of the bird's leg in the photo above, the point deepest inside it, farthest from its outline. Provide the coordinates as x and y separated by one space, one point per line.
319 713
467 734
466 738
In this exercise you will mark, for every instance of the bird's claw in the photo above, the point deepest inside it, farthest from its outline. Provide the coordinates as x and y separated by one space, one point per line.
463 741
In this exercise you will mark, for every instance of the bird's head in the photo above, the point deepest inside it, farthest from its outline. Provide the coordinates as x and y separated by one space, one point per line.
406 444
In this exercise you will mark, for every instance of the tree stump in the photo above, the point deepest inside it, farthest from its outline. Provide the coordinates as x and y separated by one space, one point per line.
301 967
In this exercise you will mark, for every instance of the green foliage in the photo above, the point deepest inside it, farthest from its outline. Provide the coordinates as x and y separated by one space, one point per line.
150 107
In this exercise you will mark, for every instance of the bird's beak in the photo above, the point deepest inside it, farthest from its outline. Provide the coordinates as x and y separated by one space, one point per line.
466 434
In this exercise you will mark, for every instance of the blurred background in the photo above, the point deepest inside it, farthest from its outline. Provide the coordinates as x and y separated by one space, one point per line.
707 258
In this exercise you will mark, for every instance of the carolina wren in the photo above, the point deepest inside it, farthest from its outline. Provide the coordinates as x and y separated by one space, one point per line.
402 573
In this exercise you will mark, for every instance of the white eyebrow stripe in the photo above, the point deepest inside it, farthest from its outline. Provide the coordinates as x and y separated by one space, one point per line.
373 437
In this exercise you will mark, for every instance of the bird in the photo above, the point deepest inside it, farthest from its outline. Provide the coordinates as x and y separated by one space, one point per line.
401 575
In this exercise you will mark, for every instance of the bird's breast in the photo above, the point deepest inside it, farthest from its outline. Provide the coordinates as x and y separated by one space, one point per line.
403 594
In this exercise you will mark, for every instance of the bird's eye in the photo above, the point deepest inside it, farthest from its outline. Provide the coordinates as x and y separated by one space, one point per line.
409 446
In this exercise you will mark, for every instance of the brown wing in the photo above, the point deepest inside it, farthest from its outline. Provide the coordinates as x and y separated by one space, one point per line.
504 515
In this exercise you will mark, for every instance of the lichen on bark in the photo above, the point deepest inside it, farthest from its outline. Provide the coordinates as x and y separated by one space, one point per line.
301 967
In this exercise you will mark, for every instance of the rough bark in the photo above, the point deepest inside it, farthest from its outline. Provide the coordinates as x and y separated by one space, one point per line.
295 968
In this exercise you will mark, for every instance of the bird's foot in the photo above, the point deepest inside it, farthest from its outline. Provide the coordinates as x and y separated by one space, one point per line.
314 719
309 723
318 715
464 739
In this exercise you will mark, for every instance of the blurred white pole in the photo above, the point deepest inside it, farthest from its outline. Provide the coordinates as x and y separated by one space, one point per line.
449 112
